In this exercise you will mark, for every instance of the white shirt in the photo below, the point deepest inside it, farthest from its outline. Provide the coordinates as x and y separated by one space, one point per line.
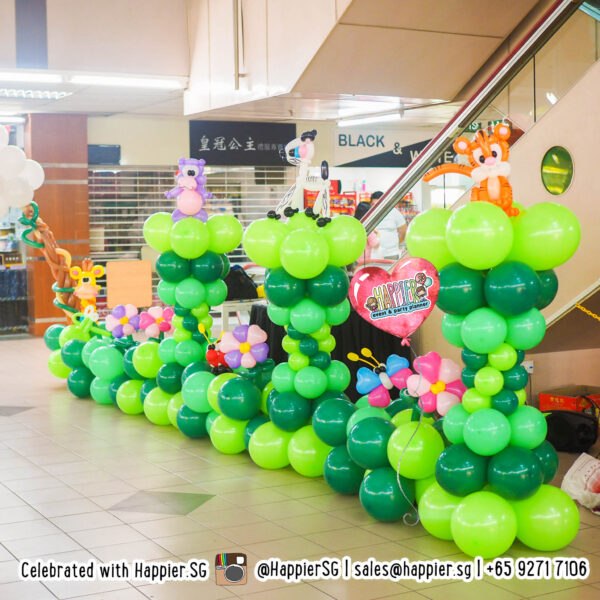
388 233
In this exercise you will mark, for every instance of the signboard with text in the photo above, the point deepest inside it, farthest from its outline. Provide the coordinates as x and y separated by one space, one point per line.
240 142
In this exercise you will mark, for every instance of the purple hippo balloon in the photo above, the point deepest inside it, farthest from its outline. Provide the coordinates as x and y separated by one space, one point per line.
190 191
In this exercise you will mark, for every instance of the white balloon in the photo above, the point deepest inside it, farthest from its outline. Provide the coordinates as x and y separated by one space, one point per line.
17 191
12 161
34 173
4 206
3 136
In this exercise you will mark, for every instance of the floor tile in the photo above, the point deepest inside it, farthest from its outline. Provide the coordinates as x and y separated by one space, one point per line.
82 521
16 514
187 590
231 516
104 536
142 550
123 594
68 507
358 590
9 571
25 590
76 589
302 591
345 538
187 543
26 529
311 523
38 546
171 503
254 533
167 527
287 548
283 509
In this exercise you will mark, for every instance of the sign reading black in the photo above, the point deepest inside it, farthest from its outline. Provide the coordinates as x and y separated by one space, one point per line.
240 143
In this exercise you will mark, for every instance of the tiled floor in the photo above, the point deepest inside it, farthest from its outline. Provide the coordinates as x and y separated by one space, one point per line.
79 480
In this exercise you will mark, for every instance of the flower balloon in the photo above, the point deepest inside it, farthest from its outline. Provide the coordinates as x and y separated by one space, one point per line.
244 346
156 320
437 383
123 320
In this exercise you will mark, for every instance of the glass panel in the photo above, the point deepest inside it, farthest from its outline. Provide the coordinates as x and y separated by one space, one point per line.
520 103
557 170
563 60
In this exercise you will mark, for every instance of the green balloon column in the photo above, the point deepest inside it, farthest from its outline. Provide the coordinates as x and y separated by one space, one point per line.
307 287
495 277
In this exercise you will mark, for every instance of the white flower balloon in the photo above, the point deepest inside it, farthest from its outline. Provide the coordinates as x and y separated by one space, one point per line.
12 161
33 173
4 135
17 191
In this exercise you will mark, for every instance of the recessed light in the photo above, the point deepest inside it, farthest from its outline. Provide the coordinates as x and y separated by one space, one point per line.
124 81
30 77
381 118
24 94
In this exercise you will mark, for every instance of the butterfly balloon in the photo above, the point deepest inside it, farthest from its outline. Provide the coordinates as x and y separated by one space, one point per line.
378 380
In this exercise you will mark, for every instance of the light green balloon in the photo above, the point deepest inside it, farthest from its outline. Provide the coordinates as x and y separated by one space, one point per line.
166 350
426 237
190 292
129 398
297 361
307 316
436 507
99 391
346 238
483 524
504 357
195 391
189 238
336 315
473 400
366 412
90 346
262 242
310 382
225 233
290 345
146 360
227 435
216 292
413 450
479 235
489 381
56 366
338 376
307 453
268 446
157 230
175 403
483 329
166 292
212 392
451 329
545 235
283 378
304 253
527 330
421 485
279 315
156 405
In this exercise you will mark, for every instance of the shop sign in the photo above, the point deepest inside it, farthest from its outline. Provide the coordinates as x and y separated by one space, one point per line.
240 142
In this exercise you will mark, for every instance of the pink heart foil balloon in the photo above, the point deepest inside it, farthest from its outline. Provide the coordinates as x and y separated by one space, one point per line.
396 302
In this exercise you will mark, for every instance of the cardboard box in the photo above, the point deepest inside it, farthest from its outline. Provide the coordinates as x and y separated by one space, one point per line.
569 397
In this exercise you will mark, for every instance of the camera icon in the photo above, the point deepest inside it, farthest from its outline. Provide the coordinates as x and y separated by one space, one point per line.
231 569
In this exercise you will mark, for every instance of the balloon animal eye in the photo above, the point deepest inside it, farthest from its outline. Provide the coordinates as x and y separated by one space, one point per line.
494 153
481 159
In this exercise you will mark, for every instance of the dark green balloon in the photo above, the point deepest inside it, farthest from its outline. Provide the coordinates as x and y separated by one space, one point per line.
147 387
180 311
468 377
195 367
548 288
515 473
404 395
399 405
71 353
253 425
114 386
461 290
239 399
520 356
191 423
330 287
505 401
326 395
321 360
368 440
226 266
79 381
382 498
341 473
282 289
460 471
289 411
512 288
130 370
208 267
172 267
294 333
473 360
548 458
515 378
169 378
51 336
190 323
330 419
309 346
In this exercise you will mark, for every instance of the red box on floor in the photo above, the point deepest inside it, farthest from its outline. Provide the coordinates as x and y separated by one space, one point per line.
569 397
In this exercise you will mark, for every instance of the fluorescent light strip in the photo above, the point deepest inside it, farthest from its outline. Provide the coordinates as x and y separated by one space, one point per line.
23 94
395 116
136 82
30 77
12 119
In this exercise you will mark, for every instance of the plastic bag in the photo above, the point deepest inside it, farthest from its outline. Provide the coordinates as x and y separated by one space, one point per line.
582 482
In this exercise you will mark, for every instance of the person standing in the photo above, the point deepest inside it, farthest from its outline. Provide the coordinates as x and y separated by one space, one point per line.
392 231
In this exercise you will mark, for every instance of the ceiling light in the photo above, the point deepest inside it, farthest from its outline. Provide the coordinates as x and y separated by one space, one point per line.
551 98
381 118
7 119
30 77
124 81
23 94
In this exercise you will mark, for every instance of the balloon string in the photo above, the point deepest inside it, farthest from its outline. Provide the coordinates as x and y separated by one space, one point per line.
408 515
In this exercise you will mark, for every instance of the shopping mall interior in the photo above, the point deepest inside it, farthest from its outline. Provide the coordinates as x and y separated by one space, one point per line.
299 299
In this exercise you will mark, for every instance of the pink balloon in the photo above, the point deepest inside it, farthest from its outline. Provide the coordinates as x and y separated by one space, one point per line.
379 397
417 385
399 379
256 335
428 402
449 371
428 366
457 388
445 401
248 360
